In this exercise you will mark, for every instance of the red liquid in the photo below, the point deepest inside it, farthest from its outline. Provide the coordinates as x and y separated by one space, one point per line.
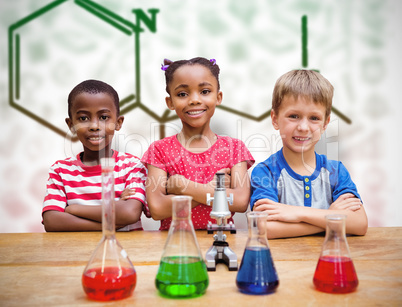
112 284
335 275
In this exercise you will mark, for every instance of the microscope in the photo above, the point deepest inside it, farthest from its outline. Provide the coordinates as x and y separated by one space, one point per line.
220 251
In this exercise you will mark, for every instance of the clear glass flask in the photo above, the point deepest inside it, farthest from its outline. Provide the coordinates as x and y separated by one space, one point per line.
335 272
257 273
182 271
109 274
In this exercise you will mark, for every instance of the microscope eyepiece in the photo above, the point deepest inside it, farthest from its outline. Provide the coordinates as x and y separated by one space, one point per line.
220 180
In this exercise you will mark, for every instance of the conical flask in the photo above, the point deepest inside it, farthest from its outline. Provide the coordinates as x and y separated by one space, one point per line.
109 274
182 271
257 273
335 272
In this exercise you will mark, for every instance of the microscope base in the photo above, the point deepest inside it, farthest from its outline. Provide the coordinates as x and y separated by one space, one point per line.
220 252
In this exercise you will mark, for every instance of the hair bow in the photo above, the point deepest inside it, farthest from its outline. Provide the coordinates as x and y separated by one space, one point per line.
166 63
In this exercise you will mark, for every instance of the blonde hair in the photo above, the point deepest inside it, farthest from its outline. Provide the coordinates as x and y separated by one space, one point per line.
305 83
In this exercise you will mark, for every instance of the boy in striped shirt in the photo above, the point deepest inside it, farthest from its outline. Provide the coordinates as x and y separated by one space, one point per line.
73 196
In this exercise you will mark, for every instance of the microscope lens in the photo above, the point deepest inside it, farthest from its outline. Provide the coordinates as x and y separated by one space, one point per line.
220 181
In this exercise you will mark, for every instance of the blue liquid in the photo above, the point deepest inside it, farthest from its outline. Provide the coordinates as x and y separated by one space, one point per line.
257 274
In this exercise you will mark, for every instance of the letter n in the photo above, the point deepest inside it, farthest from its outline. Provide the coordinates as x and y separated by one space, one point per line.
150 23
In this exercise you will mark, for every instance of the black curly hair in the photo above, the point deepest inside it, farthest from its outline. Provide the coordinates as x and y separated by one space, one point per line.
93 87
173 66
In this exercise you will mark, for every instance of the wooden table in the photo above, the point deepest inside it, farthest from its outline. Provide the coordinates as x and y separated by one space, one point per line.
44 269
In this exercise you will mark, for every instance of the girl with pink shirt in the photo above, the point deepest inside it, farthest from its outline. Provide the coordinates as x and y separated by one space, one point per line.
186 163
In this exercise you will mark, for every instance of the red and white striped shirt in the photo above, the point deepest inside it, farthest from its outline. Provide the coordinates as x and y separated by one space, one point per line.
72 182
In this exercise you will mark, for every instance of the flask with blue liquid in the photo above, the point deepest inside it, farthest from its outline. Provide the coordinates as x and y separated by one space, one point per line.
257 273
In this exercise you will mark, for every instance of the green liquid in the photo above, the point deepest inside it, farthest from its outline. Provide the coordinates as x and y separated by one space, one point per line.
182 277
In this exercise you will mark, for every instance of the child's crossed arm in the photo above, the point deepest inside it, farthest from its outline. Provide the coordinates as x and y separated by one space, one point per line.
289 221
161 189
89 218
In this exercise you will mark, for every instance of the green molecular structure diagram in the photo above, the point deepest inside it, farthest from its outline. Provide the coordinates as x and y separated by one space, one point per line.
115 25
128 28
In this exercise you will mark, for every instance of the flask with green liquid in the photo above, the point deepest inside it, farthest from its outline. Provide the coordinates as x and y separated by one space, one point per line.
182 270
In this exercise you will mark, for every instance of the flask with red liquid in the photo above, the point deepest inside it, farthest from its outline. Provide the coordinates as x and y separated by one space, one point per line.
109 274
335 272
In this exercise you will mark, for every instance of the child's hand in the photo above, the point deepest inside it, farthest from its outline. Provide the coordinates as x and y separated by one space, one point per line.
347 201
227 172
127 193
277 211
264 204
69 209
176 184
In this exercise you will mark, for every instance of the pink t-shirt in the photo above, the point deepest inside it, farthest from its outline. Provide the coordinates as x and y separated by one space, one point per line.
169 155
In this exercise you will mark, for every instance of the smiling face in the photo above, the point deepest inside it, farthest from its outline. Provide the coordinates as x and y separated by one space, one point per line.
94 119
300 122
193 96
